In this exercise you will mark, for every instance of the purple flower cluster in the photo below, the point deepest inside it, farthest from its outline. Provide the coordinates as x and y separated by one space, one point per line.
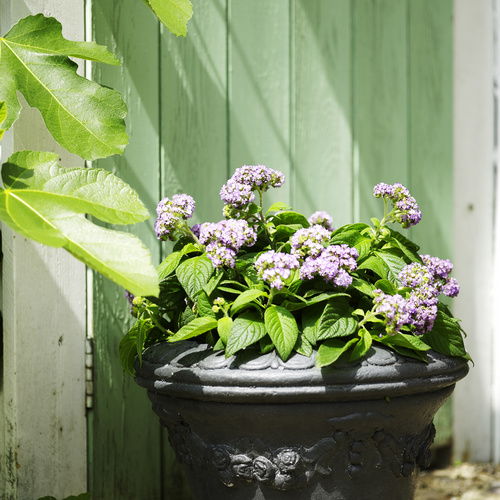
274 267
310 241
181 206
224 239
406 210
427 281
393 308
332 264
237 193
321 218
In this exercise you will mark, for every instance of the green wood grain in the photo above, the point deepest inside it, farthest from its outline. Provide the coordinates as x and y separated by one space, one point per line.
194 112
431 120
125 433
259 88
322 108
380 88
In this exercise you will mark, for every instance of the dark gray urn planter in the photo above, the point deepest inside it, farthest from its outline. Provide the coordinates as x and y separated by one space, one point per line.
252 427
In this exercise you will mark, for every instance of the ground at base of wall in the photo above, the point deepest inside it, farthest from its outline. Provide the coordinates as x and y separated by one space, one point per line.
466 481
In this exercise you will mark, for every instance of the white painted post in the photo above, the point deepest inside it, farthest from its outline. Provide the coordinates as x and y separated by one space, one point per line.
475 401
42 386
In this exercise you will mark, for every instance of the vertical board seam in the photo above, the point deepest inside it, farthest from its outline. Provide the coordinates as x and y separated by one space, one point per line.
291 98
355 210
228 89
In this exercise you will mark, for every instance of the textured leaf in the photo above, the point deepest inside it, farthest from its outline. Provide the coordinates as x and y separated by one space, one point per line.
394 266
364 343
282 328
196 327
246 330
83 116
331 350
174 14
246 298
336 321
47 203
194 274
446 336
224 326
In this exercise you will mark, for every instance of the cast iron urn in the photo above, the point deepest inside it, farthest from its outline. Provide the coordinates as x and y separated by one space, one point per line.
254 427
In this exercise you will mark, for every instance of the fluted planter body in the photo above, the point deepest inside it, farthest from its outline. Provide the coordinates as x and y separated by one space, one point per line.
253 427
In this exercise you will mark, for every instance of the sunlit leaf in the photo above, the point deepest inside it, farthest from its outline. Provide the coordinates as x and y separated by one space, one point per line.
174 14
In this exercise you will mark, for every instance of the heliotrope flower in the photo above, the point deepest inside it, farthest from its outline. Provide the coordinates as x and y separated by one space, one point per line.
310 241
169 212
394 308
333 264
258 177
321 218
275 267
405 208
236 194
224 239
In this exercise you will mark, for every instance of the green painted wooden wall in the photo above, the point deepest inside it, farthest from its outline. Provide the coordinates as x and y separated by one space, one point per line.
337 94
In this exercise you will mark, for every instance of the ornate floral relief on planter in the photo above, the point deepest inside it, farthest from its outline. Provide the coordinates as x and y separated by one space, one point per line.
292 467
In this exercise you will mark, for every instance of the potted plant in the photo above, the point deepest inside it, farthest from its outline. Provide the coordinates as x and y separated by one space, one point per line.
290 359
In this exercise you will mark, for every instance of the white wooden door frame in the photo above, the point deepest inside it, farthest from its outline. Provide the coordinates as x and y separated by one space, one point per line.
477 226
43 440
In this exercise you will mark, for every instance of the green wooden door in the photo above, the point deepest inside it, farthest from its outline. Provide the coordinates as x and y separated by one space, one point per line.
337 94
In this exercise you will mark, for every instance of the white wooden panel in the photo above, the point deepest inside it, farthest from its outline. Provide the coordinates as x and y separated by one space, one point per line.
473 213
42 391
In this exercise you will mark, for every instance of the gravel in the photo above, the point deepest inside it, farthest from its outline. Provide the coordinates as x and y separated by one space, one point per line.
466 481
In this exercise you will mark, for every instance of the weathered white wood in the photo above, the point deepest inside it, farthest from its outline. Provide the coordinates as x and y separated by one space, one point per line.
474 414
42 394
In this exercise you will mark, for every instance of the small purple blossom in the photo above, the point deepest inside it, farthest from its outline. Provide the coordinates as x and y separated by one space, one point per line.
275 267
321 218
394 308
169 212
258 177
224 239
310 241
236 194
333 265
405 208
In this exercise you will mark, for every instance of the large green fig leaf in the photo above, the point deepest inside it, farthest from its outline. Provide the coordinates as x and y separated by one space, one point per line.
48 203
84 117
174 14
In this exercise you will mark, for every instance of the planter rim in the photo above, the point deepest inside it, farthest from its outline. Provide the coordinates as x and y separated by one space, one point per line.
187 369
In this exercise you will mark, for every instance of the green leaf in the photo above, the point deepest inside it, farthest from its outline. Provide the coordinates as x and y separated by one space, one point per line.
403 340
169 265
172 295
277 207
363 286
303 346
310 322
224 326
289 218
246 298
336 320
407 246
246 330
386 286
446 336
194 274
394 266
47 203
196 327
3 115
331 350
353 238
174 14
282 328
84 117
204 305
132 344
361 348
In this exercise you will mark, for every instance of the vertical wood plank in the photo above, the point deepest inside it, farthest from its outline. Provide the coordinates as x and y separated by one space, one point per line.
381 114
42 364
125 461
431 126
322 108
259 93
194 110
